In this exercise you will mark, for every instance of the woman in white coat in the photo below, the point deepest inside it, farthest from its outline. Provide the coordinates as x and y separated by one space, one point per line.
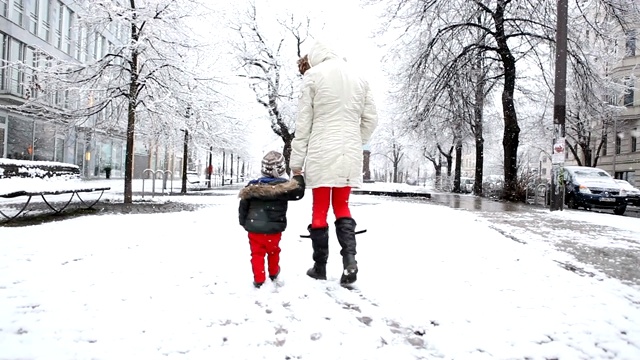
336 117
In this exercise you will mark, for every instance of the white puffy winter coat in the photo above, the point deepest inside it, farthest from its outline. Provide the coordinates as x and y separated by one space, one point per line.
336 117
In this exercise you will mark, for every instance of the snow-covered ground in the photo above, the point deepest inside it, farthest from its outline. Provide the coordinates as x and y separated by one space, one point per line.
434 282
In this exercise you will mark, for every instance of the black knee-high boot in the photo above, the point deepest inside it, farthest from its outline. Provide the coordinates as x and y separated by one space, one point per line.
346 233
320 243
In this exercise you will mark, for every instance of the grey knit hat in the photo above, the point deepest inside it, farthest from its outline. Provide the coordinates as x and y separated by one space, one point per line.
273 164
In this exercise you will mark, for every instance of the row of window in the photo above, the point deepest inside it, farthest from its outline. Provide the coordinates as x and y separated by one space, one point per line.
618 145
630 42
55 23
21 81
25 139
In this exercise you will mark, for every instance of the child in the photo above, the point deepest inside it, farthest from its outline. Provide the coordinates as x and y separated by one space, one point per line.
263 213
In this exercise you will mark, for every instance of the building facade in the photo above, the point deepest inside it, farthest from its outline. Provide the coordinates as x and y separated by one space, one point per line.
620 153
621 156
29 31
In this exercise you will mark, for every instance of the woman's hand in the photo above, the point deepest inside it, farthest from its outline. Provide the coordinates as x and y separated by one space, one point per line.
296 172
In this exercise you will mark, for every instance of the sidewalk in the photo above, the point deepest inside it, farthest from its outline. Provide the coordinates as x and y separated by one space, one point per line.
434 282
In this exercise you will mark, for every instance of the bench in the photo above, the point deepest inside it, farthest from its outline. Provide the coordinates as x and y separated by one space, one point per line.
26 179
195 181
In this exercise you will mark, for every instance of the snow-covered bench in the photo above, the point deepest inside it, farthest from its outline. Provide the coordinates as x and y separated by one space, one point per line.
26 179
194 180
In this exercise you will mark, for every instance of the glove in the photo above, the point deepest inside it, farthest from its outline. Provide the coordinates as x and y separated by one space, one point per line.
303 64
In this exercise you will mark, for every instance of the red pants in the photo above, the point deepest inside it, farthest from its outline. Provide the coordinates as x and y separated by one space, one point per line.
261 245
339 198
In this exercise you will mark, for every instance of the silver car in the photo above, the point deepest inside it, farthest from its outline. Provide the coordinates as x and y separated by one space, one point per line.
633 193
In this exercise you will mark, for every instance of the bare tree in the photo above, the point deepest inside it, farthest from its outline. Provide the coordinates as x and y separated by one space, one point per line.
145 77
389 144
435 157
269 60
448 31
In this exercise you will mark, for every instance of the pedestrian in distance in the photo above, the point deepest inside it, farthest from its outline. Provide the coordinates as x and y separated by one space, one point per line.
336 118
263 214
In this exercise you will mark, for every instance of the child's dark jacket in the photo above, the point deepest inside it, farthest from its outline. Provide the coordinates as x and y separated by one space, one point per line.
264 203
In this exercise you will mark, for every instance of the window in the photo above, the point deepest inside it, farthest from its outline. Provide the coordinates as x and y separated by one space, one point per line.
3 8
94 46
629 94
31 14
634 140
58 153
3 70
618 143
604 145
16 11
56 23
630 45
99 46
16 50
81 44
3 134
67 23
29 59
43 19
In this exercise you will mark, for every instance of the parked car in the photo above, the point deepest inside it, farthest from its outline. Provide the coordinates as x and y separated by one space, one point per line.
590 187
633 193
466 184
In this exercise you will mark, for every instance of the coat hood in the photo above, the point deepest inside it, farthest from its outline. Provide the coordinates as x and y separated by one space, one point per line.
267 190
320 52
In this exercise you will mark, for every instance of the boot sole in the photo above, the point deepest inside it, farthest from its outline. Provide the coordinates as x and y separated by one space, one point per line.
313 275
318 278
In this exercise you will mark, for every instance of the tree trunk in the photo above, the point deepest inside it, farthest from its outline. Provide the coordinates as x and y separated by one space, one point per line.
458 169
478 125
449 158
510 139
286 151
131 114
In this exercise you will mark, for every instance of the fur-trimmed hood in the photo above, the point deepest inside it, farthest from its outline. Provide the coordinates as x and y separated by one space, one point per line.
267 190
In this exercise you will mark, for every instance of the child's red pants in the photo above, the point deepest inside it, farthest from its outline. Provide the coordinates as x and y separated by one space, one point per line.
261 245
322 196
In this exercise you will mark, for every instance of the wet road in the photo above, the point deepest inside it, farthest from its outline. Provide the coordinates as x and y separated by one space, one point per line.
618 257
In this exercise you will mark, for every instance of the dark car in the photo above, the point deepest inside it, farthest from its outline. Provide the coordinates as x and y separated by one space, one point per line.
590 187
633 193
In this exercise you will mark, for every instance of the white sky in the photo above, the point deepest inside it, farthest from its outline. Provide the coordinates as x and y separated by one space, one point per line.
178 286
346 24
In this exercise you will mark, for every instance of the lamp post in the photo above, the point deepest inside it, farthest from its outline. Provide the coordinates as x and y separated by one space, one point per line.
615 145
210 168
559 107
185 153
224 166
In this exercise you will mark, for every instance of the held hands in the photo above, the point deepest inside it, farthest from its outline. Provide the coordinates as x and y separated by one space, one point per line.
303 64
